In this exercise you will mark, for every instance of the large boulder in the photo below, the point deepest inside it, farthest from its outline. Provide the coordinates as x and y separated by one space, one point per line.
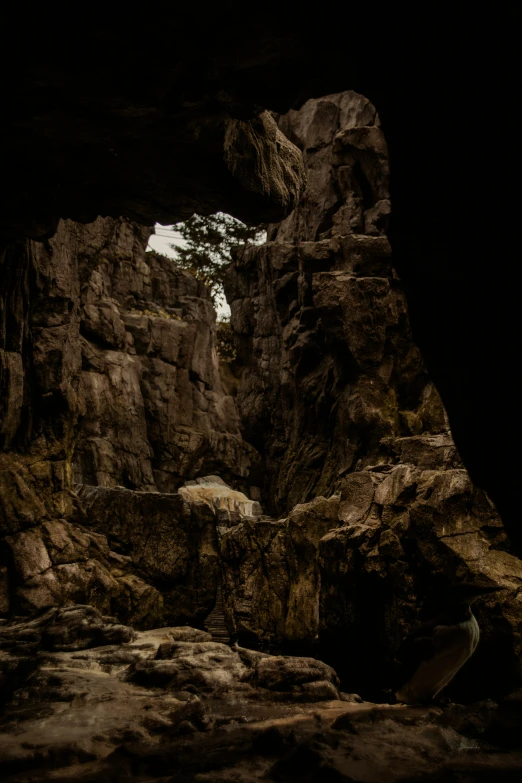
170 544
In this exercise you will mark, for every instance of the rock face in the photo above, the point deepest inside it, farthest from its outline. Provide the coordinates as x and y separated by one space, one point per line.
156 410
143 132
164 540
215 152
330 367
107 362
336 398
409 534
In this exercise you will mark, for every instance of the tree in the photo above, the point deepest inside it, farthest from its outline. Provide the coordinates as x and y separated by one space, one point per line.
209 243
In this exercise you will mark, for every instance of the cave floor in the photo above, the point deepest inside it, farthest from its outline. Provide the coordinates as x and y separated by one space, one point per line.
171 705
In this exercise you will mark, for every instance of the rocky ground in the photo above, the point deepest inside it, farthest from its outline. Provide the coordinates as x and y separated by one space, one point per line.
87 699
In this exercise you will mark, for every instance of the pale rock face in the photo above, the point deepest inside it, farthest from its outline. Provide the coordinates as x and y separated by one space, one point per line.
222 499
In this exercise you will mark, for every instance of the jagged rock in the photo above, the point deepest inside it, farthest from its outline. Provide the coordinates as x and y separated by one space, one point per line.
170 543
125 343
330 371
271 575
157 412
416 532
348 577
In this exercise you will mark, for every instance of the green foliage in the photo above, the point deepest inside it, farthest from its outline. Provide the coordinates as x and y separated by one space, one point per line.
209 243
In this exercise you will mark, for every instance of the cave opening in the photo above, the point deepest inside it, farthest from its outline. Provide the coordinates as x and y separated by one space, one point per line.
227 528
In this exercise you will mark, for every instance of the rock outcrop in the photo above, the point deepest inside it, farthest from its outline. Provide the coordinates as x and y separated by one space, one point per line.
156 409
336 398
108 365
320 318
346 578
144 132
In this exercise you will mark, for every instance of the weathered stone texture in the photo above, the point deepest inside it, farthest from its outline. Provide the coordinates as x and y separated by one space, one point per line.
169 543
108 366
157 412
335 396
330 367
346 578
271 577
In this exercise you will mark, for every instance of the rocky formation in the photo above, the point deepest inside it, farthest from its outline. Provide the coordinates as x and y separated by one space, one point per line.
346 578
99 141
143 132
148 558
330 366
95 700
108 363
335 396
152 132
156 410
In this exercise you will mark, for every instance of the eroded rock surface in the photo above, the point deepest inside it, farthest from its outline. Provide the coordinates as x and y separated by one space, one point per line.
320 318
165 541
335 396
107 361
156 408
